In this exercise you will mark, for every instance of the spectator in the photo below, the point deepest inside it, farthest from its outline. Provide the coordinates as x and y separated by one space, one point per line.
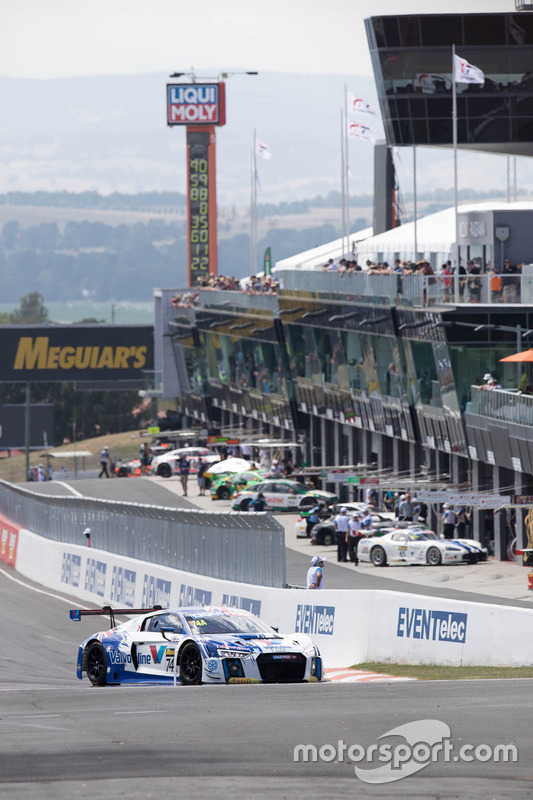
184 466
474 282
449 520
144 459
460 525
509 282
104 460
405 509
487 377
314 573
341 527
354 536
202 466
314 517
259 502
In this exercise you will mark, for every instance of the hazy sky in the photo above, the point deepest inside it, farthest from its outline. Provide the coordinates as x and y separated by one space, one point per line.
67 38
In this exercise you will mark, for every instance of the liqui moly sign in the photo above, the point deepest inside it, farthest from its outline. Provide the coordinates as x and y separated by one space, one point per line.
196 104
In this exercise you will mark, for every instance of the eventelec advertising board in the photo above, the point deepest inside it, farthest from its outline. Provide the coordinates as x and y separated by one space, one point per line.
196 104
75 353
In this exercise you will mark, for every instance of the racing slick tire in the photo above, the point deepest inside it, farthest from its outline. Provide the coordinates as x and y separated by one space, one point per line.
96 664
378 556
244 505
434 557
190 665
223 493
164 470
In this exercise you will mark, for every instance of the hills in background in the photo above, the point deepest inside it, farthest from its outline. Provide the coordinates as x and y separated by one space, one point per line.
109 134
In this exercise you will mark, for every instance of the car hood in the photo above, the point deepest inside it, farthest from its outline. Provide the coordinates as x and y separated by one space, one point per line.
253 644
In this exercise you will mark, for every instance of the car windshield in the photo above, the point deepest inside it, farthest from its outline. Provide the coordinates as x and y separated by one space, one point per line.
219 623
417 537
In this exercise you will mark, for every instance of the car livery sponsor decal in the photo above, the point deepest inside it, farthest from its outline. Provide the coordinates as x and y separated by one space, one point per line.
123 586
156 591
71 569
246 603
315 619
95 573
191 596
439 626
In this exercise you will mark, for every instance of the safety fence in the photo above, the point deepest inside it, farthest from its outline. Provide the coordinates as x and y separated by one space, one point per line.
245 547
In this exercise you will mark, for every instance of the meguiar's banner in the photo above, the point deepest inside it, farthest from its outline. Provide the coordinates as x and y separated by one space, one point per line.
75 352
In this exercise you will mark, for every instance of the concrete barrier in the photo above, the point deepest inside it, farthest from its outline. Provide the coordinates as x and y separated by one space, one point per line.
349 626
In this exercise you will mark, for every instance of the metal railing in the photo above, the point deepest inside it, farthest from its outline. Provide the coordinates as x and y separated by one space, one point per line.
502 405
414 290
245 547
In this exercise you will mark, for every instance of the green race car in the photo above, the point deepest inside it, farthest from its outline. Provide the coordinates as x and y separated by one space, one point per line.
223 487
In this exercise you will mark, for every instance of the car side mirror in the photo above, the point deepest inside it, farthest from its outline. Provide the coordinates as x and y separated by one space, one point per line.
275 629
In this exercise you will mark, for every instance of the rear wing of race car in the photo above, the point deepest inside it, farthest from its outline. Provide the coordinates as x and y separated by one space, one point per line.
77 613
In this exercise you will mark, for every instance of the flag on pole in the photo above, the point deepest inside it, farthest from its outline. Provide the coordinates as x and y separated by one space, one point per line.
263 150
466 73
356 105
358 131
267 262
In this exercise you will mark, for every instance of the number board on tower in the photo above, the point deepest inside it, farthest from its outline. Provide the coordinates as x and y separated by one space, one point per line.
199 206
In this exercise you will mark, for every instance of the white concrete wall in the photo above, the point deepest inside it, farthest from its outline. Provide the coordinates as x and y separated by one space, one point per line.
348 626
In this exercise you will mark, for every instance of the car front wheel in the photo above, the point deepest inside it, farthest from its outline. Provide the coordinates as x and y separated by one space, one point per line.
223 493
190 665
328 537
164 470
96 664
378 556
434 556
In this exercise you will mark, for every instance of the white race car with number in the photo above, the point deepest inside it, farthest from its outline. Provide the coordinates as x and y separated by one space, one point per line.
420 547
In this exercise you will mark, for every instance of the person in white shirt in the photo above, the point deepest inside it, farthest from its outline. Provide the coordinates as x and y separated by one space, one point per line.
314 573
341 527
354 536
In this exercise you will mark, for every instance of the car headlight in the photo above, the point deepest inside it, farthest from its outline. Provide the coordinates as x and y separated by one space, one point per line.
224 652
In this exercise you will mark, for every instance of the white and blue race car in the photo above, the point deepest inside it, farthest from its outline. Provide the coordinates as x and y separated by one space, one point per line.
194 645
419 546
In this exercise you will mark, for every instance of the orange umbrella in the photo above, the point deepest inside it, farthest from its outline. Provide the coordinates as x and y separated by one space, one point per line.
527 355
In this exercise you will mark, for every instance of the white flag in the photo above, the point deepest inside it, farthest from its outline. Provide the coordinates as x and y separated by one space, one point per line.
430 82
262 150
466 73
358 131
356 105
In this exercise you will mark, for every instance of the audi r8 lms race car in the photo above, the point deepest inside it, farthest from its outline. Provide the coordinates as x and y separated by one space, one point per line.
192 646
419 547
281 495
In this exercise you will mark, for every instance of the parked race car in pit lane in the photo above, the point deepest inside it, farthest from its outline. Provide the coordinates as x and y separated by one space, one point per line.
420 547
281 495
223 487
200 644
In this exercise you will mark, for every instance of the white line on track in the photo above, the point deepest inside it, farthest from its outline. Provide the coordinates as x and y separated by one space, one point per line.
41 591
139 712
70 488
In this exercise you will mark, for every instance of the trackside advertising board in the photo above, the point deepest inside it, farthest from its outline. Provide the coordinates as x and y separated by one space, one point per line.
75 352
196 104
9 534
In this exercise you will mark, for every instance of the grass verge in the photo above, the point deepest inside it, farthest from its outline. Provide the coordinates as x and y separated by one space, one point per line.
436 672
